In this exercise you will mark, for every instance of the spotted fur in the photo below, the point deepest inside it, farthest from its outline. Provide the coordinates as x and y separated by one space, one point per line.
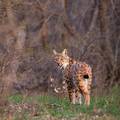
78 76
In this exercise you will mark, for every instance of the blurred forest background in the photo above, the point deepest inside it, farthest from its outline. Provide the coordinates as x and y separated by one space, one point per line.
31 29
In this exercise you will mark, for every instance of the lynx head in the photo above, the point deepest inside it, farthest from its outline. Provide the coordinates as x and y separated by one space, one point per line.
62 59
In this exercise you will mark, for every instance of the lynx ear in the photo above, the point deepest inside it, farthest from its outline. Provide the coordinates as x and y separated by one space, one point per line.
54 52
64 52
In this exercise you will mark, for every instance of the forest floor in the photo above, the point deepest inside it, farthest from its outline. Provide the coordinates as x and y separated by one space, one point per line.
46 107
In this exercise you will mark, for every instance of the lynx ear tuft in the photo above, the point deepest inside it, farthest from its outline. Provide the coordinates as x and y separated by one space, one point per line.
54 52
64 52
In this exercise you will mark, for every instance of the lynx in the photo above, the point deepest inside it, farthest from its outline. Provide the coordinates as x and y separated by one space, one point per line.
78 77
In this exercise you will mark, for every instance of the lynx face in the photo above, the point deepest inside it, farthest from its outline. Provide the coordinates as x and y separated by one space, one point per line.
61 59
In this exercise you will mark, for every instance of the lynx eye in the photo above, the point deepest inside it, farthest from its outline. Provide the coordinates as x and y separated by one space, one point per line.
85 76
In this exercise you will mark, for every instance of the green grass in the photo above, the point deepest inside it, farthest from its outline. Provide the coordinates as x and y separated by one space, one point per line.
15 99
62 108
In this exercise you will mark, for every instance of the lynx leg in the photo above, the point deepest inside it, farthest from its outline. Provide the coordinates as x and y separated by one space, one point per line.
80 98
72 97
87 99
